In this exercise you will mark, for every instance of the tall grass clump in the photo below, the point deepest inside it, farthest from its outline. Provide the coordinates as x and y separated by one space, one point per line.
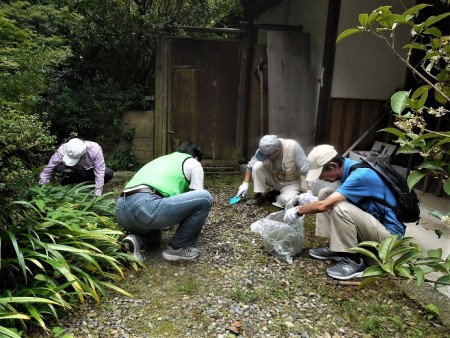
59 247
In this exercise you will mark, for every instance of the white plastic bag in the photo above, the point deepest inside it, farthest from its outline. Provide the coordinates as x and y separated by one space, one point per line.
281 239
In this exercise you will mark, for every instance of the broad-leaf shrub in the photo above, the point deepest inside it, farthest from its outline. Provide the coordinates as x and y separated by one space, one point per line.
412 108
403 257
24 146
60 245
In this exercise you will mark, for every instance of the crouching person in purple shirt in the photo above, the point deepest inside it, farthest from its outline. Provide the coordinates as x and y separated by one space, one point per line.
78 161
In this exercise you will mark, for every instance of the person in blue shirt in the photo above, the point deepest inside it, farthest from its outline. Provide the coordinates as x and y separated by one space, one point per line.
361 209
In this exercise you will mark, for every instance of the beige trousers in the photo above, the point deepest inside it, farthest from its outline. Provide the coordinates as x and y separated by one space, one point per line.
262 178
346 225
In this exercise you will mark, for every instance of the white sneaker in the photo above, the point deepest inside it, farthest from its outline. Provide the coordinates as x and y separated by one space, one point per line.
278 205
133 248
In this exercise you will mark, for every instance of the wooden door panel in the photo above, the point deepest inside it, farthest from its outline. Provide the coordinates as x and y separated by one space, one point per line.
203 97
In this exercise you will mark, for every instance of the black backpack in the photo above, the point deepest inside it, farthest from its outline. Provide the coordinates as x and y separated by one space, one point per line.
407 209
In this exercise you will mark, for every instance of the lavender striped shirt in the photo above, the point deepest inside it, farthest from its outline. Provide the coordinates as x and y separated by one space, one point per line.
93 158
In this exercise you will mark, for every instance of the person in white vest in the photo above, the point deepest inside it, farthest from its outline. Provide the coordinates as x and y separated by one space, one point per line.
276 170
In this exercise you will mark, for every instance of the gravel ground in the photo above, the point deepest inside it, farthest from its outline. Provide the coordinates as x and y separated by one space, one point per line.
235 289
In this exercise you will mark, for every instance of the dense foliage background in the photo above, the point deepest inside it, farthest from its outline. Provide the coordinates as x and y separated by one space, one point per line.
79 64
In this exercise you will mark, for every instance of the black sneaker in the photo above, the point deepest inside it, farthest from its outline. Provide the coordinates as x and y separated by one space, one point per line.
258 199
347 269
324 253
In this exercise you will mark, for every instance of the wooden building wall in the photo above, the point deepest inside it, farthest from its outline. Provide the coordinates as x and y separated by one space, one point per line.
350 118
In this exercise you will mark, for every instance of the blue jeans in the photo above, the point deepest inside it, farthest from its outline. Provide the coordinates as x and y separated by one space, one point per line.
144 214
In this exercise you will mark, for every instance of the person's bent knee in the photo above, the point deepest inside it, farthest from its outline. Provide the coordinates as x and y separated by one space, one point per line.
283 198
257 167
109 173
324 193
209 198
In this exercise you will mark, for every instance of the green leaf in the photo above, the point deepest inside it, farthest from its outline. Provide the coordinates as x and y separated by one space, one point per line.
408 257
444 280
420 275
24 300
414 177
406 149
367 253
415 9
439 98
415 45
444 267
347 33
427 136
41 205
420 91
363 19
375 271
429 56
388 267
371 244
386 247
436 253
431 164
430 261
433 31
395 131
372 17
404 271
389 21
447 185
433 19
9 333
443 141
36 315
399 101
400 251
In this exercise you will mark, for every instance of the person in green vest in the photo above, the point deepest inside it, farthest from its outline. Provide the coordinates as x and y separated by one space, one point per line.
166 191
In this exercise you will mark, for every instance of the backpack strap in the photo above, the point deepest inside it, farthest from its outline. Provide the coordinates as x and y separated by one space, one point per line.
365 164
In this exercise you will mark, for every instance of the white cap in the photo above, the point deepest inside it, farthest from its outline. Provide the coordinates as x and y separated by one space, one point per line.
317 158
75 148
267 146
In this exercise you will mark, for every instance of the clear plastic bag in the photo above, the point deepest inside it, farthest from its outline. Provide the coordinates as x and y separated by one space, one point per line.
283 240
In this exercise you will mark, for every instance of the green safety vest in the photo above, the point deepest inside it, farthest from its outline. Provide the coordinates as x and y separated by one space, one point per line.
164 174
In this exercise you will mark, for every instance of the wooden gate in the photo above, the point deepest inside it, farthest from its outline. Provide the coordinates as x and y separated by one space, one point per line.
198 97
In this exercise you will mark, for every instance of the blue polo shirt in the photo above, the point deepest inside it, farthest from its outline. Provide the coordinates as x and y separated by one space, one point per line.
363 187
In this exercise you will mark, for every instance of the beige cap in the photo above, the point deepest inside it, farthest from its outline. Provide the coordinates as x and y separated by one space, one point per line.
317 158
